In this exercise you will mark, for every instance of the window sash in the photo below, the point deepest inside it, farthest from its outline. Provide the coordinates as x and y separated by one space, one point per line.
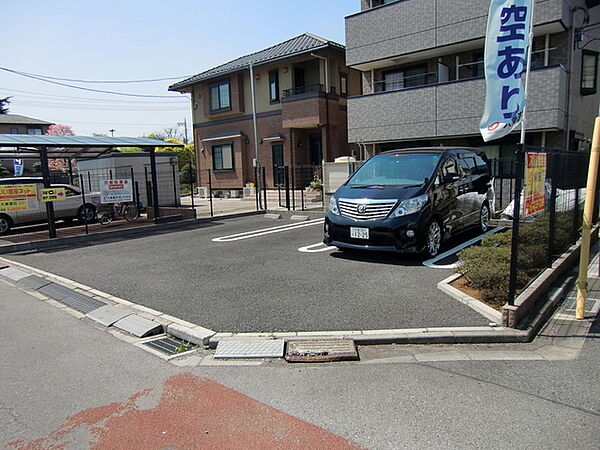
274 86
223 157
219 97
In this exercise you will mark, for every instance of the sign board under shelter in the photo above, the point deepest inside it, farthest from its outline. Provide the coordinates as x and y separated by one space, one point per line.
53 194
116 191
18 197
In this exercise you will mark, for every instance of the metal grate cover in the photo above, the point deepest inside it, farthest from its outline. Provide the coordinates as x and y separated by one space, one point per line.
250 349
33 282
170 345
571 303
324 350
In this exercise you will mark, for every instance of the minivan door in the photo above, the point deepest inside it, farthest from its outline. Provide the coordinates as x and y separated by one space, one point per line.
446 193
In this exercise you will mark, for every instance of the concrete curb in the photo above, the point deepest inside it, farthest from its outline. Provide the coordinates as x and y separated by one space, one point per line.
311 215
84 238
483 309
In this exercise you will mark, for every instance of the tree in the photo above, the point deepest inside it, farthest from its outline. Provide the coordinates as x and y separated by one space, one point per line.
4 102
60 130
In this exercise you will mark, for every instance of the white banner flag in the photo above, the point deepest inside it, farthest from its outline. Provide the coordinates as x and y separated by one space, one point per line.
506 50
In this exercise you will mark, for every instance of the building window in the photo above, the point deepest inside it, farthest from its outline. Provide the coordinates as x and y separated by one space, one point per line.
274 86
343 84
14 131
589 72
477 66
220 98
404 78
32 130
222 157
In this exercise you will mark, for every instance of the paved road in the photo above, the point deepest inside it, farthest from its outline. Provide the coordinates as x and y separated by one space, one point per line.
65 381
262 283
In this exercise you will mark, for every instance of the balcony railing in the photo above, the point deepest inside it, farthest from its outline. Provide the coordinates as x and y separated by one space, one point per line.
308 89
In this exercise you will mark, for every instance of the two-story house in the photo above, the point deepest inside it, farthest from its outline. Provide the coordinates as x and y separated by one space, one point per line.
300 88
17 124
421 63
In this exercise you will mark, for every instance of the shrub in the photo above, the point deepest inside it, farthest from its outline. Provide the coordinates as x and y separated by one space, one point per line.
487 267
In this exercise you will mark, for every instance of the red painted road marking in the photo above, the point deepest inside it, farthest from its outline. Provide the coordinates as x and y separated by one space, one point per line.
191 413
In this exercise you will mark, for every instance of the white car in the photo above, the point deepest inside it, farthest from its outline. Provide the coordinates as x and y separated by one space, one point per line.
72 207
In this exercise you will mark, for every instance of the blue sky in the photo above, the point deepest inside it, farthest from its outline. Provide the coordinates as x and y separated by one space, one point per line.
142 39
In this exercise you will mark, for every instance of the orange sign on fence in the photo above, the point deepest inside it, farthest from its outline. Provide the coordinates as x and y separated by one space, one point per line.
535 180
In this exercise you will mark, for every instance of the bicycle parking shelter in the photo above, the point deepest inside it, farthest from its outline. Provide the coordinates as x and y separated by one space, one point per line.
73 147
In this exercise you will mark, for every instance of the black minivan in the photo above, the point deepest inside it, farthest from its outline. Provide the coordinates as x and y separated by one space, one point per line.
410 200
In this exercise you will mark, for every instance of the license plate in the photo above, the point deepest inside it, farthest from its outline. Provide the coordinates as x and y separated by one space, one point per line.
359 233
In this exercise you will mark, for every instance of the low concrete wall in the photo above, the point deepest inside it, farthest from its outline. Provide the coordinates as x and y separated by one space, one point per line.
524 303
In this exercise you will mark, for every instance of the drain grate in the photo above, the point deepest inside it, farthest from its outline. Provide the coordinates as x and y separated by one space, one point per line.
571 303
170 345
33 282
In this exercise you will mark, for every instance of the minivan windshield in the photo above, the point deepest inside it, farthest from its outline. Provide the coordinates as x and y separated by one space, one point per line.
397 170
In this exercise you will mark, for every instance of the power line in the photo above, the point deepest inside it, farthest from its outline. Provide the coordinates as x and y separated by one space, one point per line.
84 88
112 100
103 81
91 107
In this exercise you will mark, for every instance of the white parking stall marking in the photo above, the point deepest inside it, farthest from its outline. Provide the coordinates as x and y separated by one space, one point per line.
314 248
265 231
432 262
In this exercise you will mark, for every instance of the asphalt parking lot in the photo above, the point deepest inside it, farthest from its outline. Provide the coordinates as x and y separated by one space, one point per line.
248 274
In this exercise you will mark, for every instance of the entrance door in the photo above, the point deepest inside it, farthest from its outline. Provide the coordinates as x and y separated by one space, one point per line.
316 150
277 150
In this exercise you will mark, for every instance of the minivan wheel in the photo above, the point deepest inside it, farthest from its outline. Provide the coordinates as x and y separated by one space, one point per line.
434 238
5 224
86 213
484 218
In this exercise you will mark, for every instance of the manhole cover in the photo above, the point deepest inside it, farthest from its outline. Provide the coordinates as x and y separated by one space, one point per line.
170 345
250 349
321 350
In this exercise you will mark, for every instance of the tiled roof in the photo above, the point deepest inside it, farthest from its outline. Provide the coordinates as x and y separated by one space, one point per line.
16 119
300 44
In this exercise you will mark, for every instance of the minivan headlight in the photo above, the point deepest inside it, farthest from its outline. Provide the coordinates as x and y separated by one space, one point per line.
410 206
333 207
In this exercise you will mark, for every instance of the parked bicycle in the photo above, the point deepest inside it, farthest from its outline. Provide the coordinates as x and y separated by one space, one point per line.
112 211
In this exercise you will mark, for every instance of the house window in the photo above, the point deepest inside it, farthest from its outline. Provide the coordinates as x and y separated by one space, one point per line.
589 72
222 157
14 131
274 86
343 84
32 130
220 98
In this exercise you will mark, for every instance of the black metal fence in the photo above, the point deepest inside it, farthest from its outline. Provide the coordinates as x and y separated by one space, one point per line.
78 204
542 190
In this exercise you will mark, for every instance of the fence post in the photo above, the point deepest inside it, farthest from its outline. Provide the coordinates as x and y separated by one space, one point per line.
210 193
85 221
264 185
174 186
148 188
89 182
552 207
293 185
576 215
192 186
514 249
287 187
302 186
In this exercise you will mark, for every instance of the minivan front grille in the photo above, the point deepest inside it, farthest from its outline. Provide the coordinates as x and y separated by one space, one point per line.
365 209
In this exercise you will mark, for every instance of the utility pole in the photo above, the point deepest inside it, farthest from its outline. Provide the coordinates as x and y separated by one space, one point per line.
112 132
184 125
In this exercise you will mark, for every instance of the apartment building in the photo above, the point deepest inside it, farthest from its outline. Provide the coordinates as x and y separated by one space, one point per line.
422 70
300 89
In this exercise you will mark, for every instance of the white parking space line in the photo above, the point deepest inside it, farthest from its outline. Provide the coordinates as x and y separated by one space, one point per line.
265 231
316 248
432 262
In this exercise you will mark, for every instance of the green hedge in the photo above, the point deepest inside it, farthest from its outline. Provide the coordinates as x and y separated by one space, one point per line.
487 267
